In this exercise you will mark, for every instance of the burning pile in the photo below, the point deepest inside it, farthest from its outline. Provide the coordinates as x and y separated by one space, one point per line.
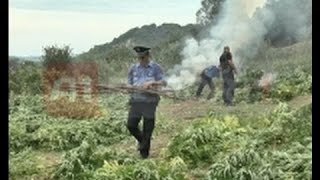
265 83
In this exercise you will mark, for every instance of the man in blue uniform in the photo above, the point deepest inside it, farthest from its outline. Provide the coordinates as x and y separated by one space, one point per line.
206 78
146 74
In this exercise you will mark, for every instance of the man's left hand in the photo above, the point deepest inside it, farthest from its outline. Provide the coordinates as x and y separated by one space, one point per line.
148 85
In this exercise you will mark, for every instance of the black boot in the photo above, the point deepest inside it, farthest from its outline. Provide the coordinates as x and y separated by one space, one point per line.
144 153
144 148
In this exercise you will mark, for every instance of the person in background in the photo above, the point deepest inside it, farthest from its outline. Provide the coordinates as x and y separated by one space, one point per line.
228 70
206 79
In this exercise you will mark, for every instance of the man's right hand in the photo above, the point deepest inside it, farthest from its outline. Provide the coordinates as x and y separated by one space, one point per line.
233 66
235 71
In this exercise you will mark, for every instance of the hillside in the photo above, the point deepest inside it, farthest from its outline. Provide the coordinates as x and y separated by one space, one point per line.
148 35
114 58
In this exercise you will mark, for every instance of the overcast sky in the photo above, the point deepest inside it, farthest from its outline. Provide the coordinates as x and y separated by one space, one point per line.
81 24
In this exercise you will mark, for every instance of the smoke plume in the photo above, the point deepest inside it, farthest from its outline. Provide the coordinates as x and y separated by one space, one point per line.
242 25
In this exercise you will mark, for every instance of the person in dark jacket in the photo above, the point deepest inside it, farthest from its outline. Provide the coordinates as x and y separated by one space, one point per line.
228 70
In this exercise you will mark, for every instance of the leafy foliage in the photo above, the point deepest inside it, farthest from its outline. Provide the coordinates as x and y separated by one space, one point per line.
54 55
75 164
29 126
148 169
19 169
286 126
25 78
204 140
84 162
291 84
236 152
250 164
248 89
209 11
79 108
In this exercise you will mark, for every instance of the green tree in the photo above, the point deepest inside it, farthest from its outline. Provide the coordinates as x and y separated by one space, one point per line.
54 54
208 12
25 78
13 63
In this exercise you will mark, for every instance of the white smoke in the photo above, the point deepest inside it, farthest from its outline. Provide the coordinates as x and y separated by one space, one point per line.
242 25
234 29
267 79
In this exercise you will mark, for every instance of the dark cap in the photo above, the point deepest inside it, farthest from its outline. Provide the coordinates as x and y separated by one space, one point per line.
141 51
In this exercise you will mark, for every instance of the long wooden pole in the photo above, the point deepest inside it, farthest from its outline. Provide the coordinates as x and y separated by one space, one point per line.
122 88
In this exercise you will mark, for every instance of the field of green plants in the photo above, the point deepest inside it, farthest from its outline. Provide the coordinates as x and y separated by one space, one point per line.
266 136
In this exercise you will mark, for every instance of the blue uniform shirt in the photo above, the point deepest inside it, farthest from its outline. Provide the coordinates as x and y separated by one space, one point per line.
139 74
212 71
